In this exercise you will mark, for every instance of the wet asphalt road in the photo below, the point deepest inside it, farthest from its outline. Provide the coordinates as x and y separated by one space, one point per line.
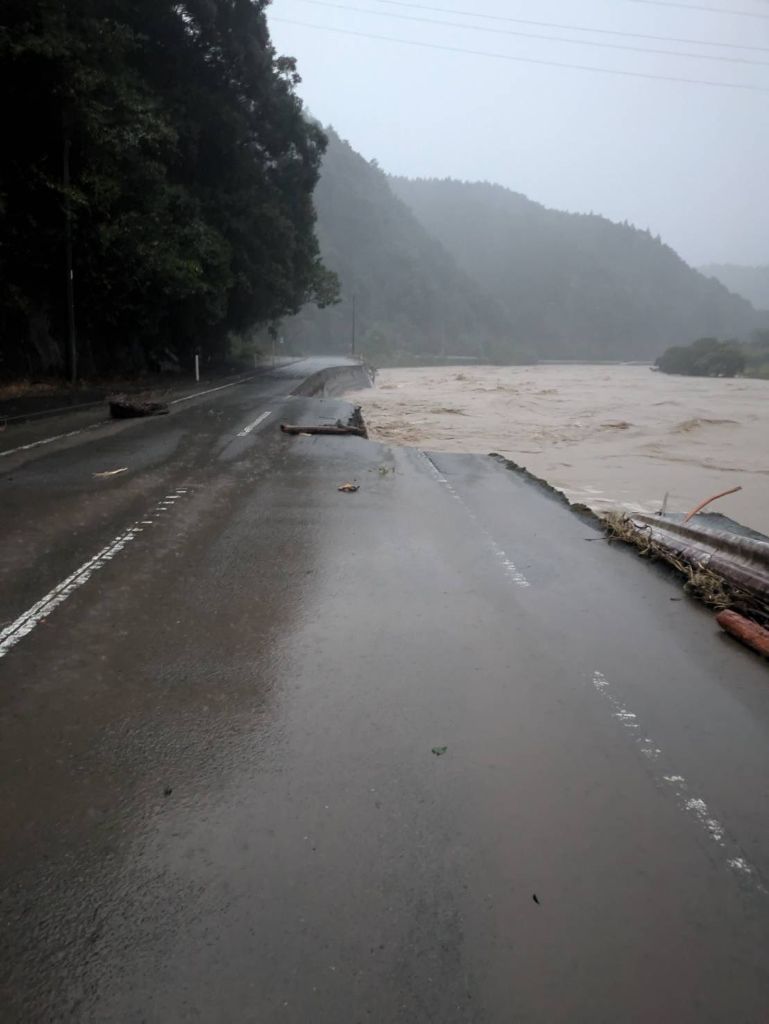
220 800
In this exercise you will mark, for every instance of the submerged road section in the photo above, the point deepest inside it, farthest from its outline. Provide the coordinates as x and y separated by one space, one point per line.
429 751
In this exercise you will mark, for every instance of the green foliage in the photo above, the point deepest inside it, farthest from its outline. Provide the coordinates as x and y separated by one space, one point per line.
706 357
192 171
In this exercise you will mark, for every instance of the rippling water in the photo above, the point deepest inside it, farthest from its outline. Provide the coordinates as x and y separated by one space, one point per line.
608 436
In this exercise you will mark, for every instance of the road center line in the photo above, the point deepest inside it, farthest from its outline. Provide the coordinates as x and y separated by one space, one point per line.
210 391
251 426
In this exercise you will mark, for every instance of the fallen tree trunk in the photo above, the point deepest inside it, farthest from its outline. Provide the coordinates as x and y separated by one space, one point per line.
121 408
288 428
748 632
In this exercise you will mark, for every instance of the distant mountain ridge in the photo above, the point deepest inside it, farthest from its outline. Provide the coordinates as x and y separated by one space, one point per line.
752 283
574 285
443 269
411 298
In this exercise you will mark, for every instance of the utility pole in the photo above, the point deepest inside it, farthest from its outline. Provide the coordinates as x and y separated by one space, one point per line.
70 273
354 303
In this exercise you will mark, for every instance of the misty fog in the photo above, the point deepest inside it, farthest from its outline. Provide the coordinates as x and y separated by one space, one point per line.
685 160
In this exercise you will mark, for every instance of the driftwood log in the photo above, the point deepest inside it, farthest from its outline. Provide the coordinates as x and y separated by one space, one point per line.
337 429
748 632
122 408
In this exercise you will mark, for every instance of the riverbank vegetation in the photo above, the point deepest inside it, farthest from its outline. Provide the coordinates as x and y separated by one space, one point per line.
709 357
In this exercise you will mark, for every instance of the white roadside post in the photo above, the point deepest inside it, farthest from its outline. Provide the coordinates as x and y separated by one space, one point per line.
197 368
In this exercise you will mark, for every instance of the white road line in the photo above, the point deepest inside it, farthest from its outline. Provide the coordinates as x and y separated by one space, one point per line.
210 391
693 805
40 610
511 570
251 426
103 423
33 616
48 440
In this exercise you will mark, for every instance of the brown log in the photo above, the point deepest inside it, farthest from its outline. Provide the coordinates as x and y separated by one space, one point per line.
289 429
748 632
128 409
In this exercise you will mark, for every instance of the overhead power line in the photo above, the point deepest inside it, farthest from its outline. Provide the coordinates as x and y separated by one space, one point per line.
573 28
521 60
700 7
536 35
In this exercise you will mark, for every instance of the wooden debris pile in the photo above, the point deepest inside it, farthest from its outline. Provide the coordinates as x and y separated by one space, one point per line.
724 571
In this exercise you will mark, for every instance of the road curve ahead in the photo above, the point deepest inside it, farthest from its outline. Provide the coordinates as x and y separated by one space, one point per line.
430 751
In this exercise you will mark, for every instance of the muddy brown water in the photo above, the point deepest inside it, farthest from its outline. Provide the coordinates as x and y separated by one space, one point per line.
608 436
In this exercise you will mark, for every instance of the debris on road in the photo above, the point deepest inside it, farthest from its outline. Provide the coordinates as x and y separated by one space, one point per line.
123 408
332 429
723 569
439 751
349 488
750 633
111 472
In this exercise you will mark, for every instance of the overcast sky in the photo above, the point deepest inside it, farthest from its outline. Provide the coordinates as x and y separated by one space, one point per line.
689 161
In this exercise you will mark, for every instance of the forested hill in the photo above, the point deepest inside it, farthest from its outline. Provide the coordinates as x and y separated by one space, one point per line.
574 285
157 156
411 298
750 282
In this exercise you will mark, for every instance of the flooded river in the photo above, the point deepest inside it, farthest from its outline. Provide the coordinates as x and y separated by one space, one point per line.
607 436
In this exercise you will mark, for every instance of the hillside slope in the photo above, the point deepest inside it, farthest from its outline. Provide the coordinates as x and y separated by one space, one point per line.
574 286
752 283
411 297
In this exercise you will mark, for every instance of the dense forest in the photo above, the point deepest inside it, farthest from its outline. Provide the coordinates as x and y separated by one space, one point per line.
156 183
752 283
412 301
574 286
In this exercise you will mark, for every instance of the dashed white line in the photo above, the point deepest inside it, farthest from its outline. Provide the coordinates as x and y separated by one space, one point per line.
209 391
509 566
693 805
252 426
